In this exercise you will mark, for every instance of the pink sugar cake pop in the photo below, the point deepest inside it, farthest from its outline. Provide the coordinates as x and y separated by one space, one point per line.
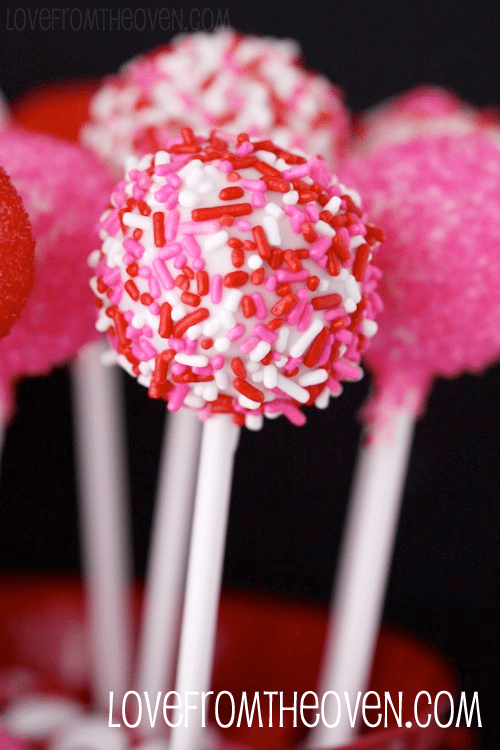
437 199
423 110
235 279
216 80
63 189
17 248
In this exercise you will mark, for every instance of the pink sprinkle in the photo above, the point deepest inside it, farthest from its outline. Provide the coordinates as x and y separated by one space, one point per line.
243 225
144 181
295 315
177 368
180 261
319 247
297 221
334 190
144 272
247 346
170 250
244 148
117 294
216 289
132 333
198 264
163 193
128 258
176 396
174 180
203 372
301 170
258 186
147 331
138 193
190 345
306 318
322 262
290 411
344 336
164 169
292 363
191 246
217 362
283 275
128 316
171 225
163 274
265 334
225 166
260 306
154 288
326 351
154 308
355 229
333 313
312 212
237 332
346 371
149 350
271 283
171 202
258 200
178 345
199 227
133 247
112 216
334 386
112 276
133 174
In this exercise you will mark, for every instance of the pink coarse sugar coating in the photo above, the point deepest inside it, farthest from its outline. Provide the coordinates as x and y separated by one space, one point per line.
423 110
437 200
216 80
236 277
64 190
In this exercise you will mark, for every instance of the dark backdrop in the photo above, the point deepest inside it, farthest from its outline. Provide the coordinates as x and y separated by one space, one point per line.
291 486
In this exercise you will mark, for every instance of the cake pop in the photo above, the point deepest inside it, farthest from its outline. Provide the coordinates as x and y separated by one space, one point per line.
236 277
423 110
223 79
17 248
63 189
437 199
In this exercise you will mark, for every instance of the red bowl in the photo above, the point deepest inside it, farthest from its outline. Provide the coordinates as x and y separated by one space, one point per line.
263 644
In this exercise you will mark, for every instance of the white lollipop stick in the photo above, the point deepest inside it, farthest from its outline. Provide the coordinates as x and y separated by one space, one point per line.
206 557
103 520
169 551
363 570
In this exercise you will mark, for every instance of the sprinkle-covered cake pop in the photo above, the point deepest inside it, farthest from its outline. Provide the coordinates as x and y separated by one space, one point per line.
64 190
17 248
437 200
216 80
236 278
424 111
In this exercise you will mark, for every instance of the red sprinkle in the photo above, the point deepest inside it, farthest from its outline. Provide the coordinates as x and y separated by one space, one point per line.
143 207
261 242
284 305
189 320
234 242
235 279
146 299
188 298
202 283
132 290
326 301
207 343
292 261
237 257
312 283
230 193
215 212
248 306
257 277
132 269
308 232
238 367
313 353
360 261
137 234
275 323
268 170
166 323
159 228
339 248
182 282
248 390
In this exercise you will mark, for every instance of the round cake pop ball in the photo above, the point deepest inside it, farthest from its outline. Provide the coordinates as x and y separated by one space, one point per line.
423 110
437 200
236 278
64 190
17 248
219 80
58 109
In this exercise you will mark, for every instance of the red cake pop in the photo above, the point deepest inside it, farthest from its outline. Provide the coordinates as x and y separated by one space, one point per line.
17 248
64 190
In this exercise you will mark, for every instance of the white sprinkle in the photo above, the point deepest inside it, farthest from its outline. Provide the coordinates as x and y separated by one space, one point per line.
324 229
369 328
247 403
211 170
172 298
353 289
324 285
221 379
226 317
272 231
253 261
251 366
144 162
293 389
144 380
352 194
258 375
178 312
193 179
266 156
313 377
274 210
191 360
162 157
232 299
191 166
210 392
211 326
333 205
356 241
130 163
281 165
205 186
281 362
136 220
270 376
214 241
260 351
343 275
290 198
323 399
139 320
300 346
282 340
349 305
254 422
94 256
193 332
188 198
194 402
222 344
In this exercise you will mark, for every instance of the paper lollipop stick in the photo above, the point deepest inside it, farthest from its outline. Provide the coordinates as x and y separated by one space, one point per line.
103 521
438 201
169 552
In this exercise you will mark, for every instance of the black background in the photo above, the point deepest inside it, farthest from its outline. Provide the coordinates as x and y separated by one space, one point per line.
291 486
